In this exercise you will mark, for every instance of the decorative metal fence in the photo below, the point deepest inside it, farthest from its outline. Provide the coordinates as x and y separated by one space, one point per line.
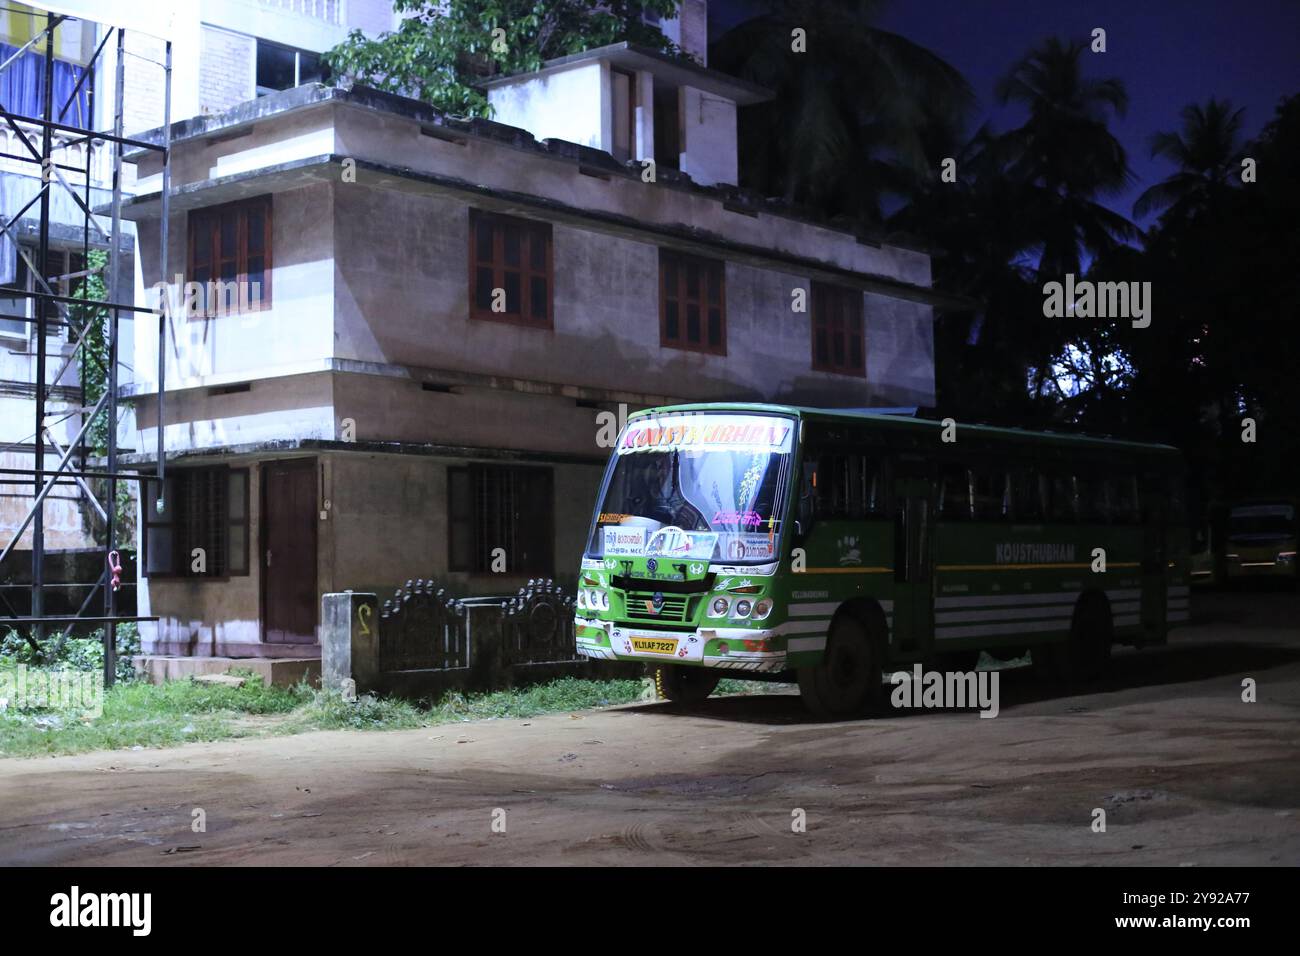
538 625
422 628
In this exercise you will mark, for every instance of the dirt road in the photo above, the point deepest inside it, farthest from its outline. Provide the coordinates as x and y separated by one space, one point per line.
1185 771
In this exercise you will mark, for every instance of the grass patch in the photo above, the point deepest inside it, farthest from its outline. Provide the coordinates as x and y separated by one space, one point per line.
137 714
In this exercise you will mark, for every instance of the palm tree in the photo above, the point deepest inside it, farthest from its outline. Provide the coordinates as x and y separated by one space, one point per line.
862 114
1208 152
1065 155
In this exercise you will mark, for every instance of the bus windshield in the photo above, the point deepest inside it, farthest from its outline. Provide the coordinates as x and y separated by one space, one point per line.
705 487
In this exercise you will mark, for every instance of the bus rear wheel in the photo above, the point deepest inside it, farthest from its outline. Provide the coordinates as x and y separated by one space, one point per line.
847 681
681 683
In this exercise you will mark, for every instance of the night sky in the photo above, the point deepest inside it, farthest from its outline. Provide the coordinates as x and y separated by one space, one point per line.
1168 53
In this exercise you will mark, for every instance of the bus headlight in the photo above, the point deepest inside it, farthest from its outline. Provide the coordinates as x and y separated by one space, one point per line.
719 607
602 600
1286 557
762 609
742 608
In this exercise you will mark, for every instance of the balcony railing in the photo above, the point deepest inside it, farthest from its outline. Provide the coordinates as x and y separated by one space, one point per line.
69 149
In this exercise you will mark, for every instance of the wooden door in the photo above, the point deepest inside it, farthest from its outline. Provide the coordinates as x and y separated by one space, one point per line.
288 546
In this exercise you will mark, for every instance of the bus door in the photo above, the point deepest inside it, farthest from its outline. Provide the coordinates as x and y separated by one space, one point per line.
1155 551
913 629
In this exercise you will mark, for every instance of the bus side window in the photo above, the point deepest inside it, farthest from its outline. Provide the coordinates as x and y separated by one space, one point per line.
954 492
849 486
1124 499
1062 500
1094 499
1026 495
990 494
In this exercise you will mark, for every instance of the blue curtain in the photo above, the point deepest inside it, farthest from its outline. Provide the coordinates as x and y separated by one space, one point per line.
22 87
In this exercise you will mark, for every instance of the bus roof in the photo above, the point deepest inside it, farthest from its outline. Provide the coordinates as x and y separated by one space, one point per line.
886 421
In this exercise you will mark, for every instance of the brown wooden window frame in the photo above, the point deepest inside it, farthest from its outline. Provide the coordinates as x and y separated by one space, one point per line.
209 218
829 304
674 290
474 518
530 231
189 530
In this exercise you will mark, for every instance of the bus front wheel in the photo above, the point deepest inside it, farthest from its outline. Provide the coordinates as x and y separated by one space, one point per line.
681 683
847 680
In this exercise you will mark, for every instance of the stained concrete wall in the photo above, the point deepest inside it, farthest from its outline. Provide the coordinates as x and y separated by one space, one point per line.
205 616
396 141
389 517
408 303
293 329
570 103
709 154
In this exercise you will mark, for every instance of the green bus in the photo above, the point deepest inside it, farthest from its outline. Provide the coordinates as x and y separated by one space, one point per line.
780 543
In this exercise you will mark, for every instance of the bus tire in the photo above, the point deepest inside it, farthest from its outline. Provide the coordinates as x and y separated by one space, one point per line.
686 684
847 681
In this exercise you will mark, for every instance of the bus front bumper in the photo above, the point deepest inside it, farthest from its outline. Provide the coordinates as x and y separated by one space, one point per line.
729 648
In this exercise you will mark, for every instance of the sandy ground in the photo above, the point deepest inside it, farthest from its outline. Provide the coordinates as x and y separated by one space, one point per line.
1186 772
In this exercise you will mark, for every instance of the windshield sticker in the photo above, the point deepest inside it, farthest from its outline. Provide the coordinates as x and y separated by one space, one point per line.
676 543
748 546
625 541
708 433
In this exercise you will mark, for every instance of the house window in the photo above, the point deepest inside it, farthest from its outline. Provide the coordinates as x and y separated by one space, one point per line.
63 272
500 506
837 344
692 303
230 256
205 509
510 269
281 67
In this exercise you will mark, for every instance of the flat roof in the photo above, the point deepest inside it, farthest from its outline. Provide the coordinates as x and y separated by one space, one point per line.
681 72
903 422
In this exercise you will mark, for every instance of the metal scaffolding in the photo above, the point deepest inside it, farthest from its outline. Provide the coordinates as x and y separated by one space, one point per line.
53 311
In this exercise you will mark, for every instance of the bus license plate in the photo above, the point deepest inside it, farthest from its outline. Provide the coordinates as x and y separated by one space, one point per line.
654 645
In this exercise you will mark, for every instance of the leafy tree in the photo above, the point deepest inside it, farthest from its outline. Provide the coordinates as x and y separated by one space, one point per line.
442 48
861 114
1065 154
1207 151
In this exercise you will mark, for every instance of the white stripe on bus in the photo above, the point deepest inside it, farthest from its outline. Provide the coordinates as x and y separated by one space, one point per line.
1181 590
1056 612
799 645
806 610
979 630
988 600
801 627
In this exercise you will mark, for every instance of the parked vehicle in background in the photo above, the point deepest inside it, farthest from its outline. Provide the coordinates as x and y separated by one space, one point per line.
826 546
1261 539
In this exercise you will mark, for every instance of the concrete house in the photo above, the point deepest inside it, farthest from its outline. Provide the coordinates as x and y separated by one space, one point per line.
449 313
